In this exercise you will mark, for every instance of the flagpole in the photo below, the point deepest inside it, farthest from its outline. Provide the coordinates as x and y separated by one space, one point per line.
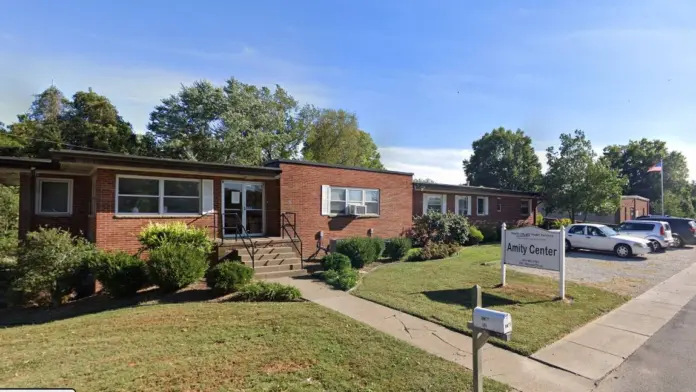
662 185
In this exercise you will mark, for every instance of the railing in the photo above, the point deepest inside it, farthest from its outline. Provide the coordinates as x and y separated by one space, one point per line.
284 224
240 232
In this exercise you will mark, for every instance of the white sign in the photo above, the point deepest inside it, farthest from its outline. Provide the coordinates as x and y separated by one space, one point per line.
235 197
533 247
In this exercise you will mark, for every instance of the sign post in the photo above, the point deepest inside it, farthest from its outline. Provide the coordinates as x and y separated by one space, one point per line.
533 247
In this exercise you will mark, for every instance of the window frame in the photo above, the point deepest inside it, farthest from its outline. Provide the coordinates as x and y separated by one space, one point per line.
485 206
529 207
361 203
457 198
443 201
160 196
39 184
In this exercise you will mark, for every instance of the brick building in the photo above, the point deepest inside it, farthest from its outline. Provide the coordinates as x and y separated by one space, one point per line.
631 207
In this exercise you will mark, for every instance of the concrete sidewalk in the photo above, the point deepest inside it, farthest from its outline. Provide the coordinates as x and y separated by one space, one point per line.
602 345
519 372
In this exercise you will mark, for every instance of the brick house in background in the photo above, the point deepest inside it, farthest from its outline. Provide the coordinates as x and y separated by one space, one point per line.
482 205
632 206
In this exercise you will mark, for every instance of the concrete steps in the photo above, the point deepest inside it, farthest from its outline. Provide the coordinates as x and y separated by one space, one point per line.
273 257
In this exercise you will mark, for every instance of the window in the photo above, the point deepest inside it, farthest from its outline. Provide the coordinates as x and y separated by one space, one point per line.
524 207
594 231
499 207
341 198
54 196
433 203
579 229
481 206
462 205
162 196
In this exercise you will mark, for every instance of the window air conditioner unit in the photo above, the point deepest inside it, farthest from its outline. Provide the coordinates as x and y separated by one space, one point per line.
357 210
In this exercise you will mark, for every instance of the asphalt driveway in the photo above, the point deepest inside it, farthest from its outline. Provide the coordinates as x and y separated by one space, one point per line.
631 276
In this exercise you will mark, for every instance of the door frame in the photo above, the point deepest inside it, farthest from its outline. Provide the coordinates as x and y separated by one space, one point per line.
243 206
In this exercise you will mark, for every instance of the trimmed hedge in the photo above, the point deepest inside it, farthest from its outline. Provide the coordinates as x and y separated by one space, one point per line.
121 274
154 235
396 248
343 280
335 262
361 250
175 266
228 277
475 236
268 291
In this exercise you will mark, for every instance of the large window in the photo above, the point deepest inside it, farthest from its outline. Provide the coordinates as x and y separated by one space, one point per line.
161 196
481 206
463 205
54 196
433 203
341 198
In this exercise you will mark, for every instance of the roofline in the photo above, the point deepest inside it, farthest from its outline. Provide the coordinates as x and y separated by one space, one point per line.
635 197
26 163
425 186
277 162
143 162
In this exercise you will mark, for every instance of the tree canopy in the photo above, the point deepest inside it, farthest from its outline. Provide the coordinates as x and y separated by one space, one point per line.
504 159
577 182
334 137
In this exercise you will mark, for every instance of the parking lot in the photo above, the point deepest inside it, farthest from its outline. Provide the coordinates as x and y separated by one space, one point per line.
630 276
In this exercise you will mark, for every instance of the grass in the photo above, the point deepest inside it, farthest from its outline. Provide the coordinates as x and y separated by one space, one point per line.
220 347
440 291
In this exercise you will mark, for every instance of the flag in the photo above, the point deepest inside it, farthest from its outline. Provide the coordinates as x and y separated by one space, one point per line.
656 168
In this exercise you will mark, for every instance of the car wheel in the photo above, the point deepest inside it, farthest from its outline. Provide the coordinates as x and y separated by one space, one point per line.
622 250
678 242
568 247
655 245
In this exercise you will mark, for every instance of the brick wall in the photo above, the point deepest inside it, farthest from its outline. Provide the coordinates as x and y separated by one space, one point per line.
640 207
300 192
510 207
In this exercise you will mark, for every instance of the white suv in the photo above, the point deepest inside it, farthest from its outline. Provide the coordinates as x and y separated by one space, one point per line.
658 233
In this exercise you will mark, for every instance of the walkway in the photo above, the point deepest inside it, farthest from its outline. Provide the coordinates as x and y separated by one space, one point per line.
519 372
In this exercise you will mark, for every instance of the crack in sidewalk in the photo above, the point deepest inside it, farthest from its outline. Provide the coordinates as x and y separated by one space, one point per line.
459 352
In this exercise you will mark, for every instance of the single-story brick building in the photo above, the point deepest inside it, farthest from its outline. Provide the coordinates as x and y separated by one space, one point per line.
482 205
280 212
632 206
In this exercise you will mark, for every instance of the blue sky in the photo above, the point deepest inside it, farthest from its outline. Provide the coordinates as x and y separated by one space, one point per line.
425 78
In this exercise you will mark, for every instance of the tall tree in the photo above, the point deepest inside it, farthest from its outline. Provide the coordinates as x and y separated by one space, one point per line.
576 182
237 123
335 137
504 159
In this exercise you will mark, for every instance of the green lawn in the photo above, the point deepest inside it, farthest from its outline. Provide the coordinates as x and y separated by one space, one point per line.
229 346
440 291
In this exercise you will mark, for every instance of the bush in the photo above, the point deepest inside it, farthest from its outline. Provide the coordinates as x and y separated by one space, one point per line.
154 235
539 220
335 262
175 266
565 222
342 280
8 272
121 273
490 233
396 248
379 245
49 266
360 250
229 276
435 251
436 227
475 236
267 291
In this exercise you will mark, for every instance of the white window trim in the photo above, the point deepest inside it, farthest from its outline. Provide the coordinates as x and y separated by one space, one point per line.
39 182
362 203
443 199
529 207
468 203
485 205
160 196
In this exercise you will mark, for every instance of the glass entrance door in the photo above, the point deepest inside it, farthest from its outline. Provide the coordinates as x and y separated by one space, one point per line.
242 204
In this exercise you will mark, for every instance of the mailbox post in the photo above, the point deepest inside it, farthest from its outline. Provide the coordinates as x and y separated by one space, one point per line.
486 323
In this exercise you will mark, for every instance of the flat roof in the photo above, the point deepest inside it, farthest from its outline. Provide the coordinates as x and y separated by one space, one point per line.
428 186
25 163
277 162
635 197
143 162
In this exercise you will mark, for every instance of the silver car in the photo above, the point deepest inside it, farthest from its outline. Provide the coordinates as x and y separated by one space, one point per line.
658 233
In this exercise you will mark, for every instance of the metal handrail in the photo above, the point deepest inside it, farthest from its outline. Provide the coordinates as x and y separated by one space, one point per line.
251 247
284 218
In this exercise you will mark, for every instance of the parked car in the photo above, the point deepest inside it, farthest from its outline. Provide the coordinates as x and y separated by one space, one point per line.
683 229
601 237
657 232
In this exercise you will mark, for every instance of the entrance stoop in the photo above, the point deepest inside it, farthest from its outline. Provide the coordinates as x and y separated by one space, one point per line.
274 257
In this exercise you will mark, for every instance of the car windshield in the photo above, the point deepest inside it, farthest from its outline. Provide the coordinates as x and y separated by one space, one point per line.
609 231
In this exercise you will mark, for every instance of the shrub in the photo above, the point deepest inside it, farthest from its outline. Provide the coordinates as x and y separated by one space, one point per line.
229 276
379 245
360 250
565 222
436 227
121 273
267 291
435 251
8 272
475 236
49 264
154 235
491 233
174 266
396 248
539 219
342 280
335 262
